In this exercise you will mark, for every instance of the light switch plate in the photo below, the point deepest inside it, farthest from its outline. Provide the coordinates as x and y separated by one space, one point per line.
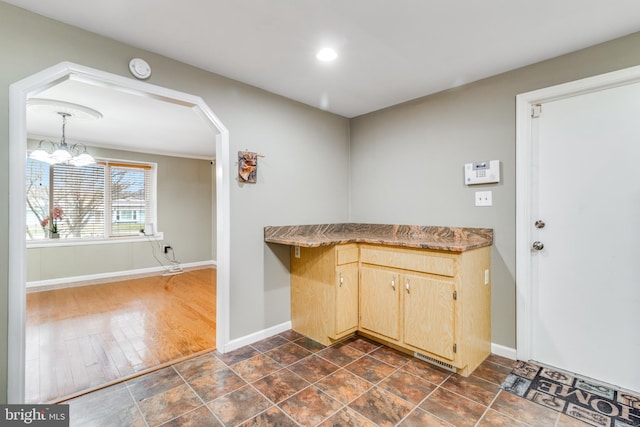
484 198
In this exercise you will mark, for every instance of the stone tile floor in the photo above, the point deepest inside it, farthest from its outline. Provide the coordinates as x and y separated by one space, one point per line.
289 380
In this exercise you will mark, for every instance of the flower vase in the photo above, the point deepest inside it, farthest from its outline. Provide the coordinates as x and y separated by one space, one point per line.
53 235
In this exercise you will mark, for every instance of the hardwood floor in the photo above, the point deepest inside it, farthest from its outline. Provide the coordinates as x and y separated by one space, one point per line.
85 337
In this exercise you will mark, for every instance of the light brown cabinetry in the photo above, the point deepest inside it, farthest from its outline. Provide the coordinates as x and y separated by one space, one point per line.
436 303
324 292
432 302
429 314
379 301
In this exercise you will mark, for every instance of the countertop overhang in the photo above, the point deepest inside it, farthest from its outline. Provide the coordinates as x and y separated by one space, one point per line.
454 239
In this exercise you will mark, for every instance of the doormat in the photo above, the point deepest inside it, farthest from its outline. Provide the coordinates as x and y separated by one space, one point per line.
586 400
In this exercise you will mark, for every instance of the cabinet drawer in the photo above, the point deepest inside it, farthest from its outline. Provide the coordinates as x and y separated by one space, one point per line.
346 254
408 259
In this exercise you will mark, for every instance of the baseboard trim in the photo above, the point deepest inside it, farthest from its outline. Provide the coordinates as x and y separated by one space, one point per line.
504 351
255 337
96 279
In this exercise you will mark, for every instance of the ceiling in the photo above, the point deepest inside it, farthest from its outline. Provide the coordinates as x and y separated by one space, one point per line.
129 121
389 51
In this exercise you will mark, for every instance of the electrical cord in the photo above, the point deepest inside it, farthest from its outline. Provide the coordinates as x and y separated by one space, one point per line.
174 267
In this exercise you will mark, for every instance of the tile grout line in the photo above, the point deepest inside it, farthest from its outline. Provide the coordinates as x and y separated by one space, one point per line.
310 384
251 384
272 404
487 409
199 397
438 386
343 405
135 402
377 385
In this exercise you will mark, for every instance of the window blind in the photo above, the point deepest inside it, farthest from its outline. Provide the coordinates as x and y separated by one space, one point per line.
79 191
108 199
130 198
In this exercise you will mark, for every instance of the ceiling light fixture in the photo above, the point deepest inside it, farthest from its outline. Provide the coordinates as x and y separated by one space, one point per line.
326 55
62 153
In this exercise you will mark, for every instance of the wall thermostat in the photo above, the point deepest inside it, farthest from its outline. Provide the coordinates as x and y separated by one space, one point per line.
140 68
486 172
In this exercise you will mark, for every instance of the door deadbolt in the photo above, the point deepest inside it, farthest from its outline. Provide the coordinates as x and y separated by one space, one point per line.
539 223
538 246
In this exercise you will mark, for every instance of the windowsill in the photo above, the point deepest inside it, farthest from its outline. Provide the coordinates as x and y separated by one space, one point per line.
46 243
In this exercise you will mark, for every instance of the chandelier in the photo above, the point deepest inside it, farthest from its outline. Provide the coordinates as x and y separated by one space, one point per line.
62 153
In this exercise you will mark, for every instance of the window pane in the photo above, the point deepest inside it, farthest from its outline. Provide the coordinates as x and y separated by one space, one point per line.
92 198
79 191
130 199
37 198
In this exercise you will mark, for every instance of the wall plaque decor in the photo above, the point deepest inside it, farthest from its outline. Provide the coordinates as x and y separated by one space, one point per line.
247 166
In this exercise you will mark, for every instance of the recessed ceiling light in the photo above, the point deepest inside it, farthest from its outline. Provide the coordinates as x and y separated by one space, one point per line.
327 54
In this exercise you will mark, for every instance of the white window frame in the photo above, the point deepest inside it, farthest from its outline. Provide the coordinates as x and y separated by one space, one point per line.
108 239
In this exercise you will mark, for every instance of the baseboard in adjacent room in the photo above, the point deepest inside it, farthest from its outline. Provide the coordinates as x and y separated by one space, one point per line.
255 337
116 276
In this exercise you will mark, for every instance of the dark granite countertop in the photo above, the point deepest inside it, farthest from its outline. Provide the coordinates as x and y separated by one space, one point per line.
454 239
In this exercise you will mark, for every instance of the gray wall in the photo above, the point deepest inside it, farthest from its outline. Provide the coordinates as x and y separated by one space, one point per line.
302 179
185 215
407 160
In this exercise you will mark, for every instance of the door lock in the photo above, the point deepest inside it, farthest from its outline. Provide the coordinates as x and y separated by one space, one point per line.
538 246
539 223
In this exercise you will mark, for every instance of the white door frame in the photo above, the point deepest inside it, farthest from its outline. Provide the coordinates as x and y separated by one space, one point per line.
524 167
18 93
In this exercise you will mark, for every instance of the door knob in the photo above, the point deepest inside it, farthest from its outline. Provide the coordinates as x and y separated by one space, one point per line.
538 246
539 224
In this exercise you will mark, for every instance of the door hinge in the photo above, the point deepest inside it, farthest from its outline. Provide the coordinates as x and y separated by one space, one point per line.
455 348
536 111
455 295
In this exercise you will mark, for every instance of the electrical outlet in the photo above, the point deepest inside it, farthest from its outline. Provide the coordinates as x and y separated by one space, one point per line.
486 276
297 252
484 198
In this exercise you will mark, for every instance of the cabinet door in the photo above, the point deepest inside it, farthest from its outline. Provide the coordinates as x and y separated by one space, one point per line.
429 314
346 298
380 301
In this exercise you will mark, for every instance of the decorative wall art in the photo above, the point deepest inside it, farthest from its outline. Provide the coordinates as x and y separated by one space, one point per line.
248 166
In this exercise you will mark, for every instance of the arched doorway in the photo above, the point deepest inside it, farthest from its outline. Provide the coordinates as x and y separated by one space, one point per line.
19 92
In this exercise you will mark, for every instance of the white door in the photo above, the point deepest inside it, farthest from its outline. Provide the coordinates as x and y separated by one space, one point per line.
586 279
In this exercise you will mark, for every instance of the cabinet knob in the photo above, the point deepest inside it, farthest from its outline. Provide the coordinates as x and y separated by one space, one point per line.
393 283
406 285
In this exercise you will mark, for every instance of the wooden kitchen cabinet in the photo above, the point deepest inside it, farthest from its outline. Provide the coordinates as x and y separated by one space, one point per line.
380 301
346 300
432 302
324 292
429 314
440 307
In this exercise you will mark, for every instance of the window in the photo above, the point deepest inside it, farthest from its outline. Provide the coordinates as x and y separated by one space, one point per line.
104 200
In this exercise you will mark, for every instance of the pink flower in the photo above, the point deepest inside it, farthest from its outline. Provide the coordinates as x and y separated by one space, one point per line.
56 212
44 222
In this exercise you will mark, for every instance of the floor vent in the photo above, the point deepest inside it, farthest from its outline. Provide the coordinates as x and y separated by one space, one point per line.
434 362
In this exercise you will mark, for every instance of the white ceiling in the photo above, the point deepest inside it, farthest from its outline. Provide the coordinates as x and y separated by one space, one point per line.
129 121
389 51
